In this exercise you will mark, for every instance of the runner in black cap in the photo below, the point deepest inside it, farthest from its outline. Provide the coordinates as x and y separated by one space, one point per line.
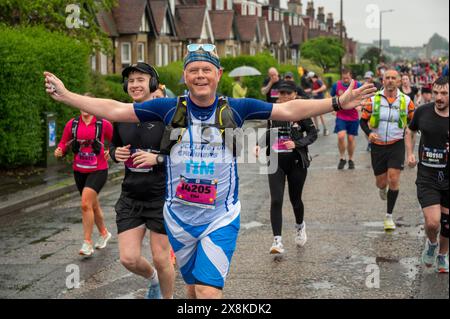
291 146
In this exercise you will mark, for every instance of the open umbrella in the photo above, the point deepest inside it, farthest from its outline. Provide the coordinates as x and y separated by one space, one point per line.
244 71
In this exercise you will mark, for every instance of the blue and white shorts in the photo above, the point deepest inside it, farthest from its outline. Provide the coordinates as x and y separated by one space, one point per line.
203 252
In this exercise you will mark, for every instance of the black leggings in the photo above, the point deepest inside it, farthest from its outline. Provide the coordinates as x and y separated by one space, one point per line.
296 176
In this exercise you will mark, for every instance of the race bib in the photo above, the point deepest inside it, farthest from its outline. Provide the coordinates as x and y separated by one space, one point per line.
434 157
197 192
132 167
279 146
86 160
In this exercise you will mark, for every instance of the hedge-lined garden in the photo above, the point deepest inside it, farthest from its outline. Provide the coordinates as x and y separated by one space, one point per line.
24 54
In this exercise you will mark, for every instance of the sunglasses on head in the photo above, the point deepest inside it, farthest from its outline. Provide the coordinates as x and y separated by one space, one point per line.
207 47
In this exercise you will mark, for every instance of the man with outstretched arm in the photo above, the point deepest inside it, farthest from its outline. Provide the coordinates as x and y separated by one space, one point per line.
202 209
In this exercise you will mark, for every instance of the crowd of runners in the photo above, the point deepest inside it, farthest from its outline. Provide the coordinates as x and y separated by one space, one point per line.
181 177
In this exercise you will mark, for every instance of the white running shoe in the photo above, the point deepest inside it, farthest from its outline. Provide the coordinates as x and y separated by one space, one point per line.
102 241
277 246
300 235
383 193
86 250
389 222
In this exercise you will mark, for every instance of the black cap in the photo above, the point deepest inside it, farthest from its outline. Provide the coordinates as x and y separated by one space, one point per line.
289 74
141 67
426 90
287 86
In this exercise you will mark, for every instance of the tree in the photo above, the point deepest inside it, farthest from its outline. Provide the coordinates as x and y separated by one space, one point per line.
324 51
76 20
373 55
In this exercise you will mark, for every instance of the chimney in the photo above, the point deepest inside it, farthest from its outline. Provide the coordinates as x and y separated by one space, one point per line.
330 21
310 12
321 15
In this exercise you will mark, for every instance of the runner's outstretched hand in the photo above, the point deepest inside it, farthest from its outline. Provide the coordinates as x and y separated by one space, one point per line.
355 97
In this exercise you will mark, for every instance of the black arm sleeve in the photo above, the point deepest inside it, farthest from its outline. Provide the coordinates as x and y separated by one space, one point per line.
311 134
365 126
116 142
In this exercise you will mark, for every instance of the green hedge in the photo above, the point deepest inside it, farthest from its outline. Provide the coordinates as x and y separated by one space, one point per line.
24 54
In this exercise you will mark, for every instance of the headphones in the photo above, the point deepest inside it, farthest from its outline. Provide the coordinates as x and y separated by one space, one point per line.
144 68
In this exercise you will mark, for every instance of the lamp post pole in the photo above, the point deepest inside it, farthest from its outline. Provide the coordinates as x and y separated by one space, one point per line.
381 33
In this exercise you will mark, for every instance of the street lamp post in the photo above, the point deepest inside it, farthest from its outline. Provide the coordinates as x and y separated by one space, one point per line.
381 32
341 36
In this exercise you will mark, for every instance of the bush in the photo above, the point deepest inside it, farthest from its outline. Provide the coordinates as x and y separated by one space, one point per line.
24 54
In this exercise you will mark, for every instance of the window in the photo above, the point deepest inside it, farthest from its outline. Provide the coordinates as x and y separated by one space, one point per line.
165 29
103 64
94 62
219 5
290 20
229 51
208 4
126 53
252 51
174 54
259 9
277 15
144 24
244 9
251 9
141 52
165 52
230 4
270 14
294 56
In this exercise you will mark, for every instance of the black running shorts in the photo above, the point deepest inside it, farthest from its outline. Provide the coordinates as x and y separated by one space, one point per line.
430 196
132 213
387 156
95 180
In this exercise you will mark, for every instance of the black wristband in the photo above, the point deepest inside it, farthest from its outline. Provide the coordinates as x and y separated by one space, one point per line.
335 104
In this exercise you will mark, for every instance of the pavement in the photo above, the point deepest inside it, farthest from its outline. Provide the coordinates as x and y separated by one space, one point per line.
348 255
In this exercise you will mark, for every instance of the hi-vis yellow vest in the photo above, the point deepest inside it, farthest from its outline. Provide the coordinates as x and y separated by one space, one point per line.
375 117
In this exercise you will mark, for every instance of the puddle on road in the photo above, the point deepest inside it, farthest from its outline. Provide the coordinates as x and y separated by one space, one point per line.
321 285
252 224
45 256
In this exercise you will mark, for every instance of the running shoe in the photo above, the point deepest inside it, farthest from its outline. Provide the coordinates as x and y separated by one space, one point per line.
277 246
429 254
389 223
86 249
383 193
300 236
342 163
102 241
442 264
351 164
154 292
326 132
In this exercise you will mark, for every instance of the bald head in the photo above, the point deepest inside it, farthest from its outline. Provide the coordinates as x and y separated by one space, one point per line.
391 80
273 74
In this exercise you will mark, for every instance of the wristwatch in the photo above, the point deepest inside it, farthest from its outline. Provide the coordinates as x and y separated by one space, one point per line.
160 159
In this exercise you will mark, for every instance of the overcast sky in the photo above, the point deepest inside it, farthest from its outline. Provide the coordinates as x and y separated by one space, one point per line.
412 23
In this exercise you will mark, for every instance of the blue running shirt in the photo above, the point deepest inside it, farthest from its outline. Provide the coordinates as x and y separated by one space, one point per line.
202 183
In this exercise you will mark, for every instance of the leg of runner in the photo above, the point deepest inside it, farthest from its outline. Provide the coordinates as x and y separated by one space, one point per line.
207 292
432 215
392 194
442 259
351 145
342 147
325 130
160 247
130 242
88 198
105 235
296 181
277 182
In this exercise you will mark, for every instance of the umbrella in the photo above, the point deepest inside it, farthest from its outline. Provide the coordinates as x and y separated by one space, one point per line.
244 71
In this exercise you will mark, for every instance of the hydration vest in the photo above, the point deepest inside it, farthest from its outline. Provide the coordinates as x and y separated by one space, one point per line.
375 117
224 119
96 143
